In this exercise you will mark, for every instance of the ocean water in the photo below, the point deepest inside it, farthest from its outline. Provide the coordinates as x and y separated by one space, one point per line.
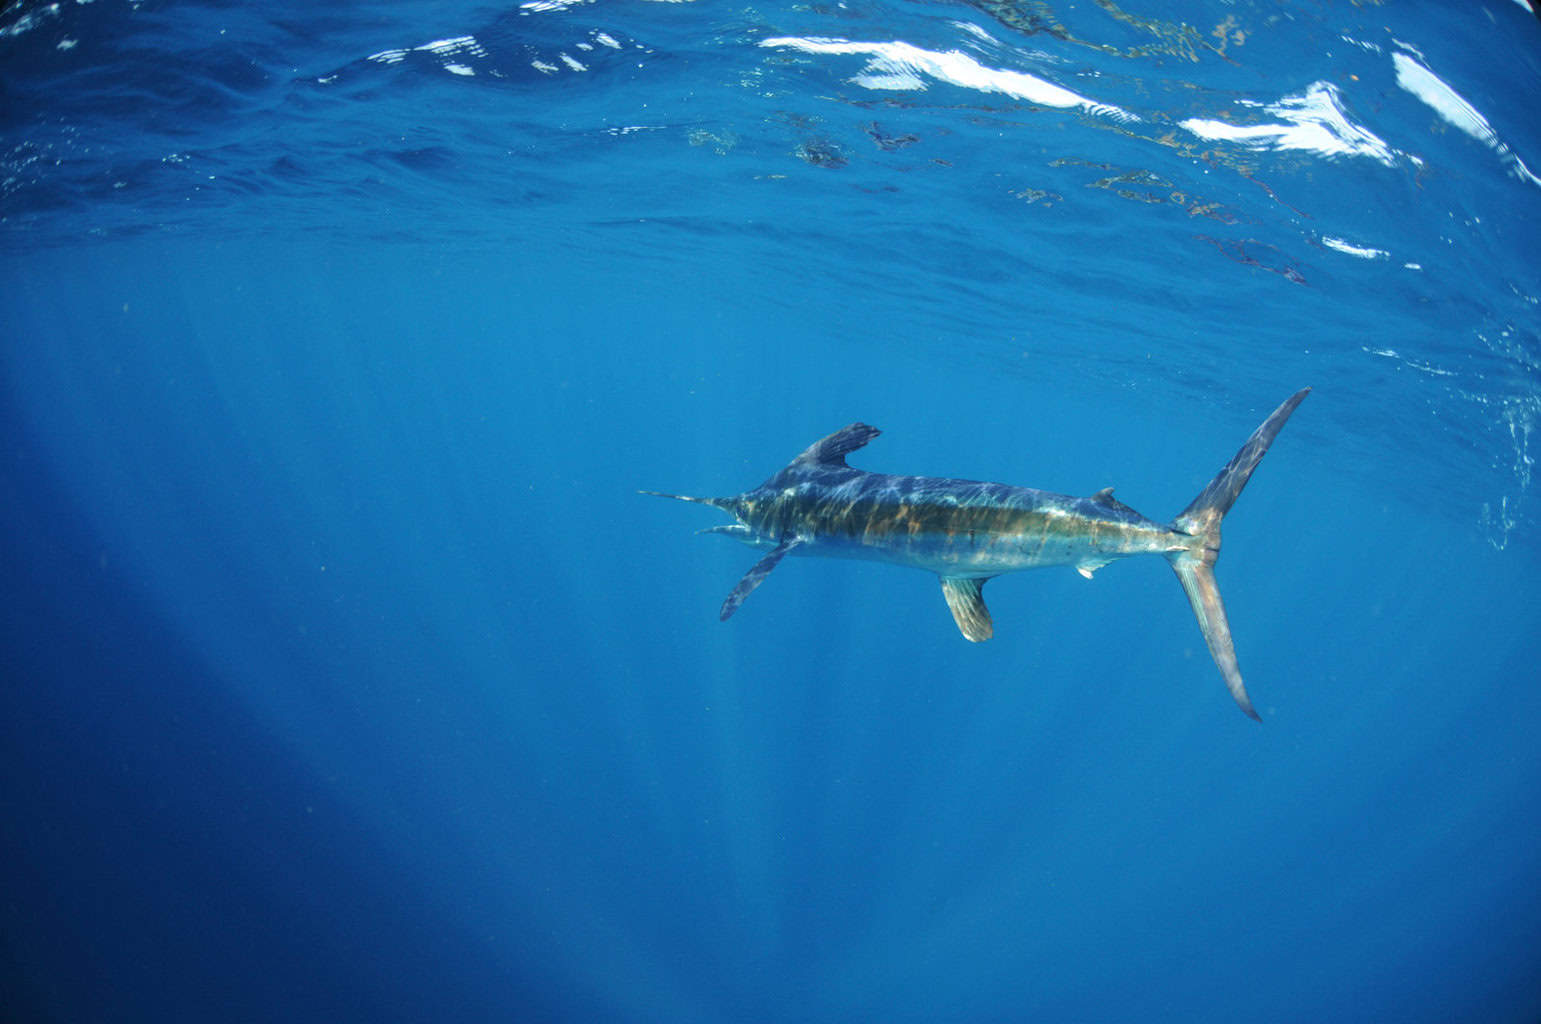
345 675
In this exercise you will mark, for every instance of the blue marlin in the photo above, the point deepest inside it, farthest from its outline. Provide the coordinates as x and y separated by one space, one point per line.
968 532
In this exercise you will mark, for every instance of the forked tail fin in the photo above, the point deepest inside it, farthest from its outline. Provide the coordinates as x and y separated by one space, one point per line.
1194 565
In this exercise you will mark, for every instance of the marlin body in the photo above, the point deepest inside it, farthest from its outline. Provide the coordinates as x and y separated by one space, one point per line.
968 532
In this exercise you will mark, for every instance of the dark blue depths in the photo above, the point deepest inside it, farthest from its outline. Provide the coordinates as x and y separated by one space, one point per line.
346 676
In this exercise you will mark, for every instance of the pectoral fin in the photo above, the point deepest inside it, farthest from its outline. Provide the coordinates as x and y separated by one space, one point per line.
755 576
965 598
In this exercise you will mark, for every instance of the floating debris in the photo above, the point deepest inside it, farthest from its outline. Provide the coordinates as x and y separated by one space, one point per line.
821 153
888 142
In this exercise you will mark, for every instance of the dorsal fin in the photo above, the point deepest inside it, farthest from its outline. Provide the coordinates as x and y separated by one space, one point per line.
1105 495
833 449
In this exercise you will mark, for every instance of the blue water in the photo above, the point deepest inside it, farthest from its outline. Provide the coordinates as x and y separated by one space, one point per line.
345 676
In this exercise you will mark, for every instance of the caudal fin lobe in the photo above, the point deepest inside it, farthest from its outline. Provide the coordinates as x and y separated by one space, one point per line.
1194 565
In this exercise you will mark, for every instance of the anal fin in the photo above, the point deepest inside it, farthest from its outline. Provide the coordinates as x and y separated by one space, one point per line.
755 576
965 598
